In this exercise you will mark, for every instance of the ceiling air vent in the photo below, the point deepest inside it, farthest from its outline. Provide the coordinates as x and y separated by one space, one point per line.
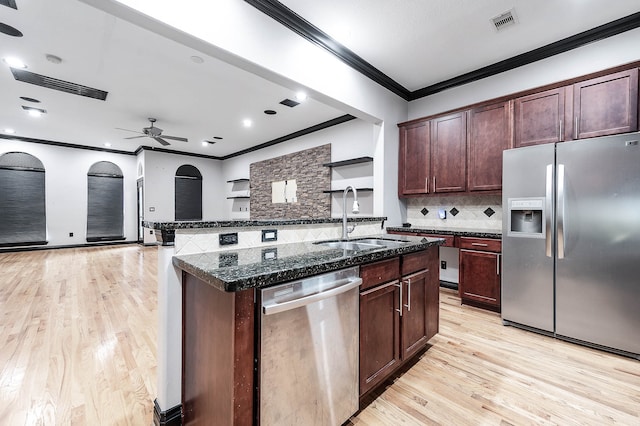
290 103
54 83
504 20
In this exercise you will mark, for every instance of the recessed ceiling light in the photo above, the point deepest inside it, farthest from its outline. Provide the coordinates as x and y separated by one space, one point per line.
197 59
28 99
14 62
107 144
9 131
218 137
53 59
301 96
269 112
205 143
34 112
246 122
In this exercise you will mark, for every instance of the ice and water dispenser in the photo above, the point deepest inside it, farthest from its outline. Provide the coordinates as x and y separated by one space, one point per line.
526 217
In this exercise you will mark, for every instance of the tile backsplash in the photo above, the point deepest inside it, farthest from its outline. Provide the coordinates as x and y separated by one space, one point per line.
462 211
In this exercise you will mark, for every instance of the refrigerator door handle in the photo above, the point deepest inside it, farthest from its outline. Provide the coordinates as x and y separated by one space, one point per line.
561 195
549 204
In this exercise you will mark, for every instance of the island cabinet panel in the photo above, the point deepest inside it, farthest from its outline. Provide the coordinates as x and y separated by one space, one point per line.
397 317
218 355
480 272
414 159
489 135
539 118
449 153
606 105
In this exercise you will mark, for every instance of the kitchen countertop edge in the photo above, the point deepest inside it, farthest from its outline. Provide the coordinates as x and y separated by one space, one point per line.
477 233
265 274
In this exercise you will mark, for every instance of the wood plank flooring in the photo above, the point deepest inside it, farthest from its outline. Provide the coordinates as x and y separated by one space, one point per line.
78 337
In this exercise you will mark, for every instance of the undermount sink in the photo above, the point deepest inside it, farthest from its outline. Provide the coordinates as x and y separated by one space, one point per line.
364 244
351 245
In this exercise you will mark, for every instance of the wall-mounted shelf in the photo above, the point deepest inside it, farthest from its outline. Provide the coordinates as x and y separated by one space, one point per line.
349 162
239 197
238 180
336 191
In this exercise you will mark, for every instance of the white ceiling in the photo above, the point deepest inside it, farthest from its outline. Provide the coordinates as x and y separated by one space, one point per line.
415 42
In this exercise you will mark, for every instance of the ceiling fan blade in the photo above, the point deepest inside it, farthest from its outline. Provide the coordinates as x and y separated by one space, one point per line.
162 141
135 137
127 130
176 138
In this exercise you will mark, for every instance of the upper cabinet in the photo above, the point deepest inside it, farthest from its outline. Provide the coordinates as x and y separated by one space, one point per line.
414 159
606 105
489 135
449 153
539 118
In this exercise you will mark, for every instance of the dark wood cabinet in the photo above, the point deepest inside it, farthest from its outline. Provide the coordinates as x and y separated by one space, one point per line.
539 118
480 272
449 153
606 105
414 159
379 334
489 135
398 317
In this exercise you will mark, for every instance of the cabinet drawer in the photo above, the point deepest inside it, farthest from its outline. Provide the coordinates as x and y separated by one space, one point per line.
379 272
414 262
482 244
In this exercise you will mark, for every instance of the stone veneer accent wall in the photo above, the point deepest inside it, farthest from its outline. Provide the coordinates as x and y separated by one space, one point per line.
471 212
311 178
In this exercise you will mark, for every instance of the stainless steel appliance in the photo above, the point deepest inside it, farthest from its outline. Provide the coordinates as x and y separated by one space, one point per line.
571 241
309 350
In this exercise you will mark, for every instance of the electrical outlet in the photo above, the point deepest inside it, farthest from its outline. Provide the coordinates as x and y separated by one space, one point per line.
443 264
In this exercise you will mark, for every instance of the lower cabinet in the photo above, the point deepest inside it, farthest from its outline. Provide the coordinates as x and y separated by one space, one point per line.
480 272
399 304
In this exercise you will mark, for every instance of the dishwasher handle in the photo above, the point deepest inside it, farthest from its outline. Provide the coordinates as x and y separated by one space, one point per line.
337 287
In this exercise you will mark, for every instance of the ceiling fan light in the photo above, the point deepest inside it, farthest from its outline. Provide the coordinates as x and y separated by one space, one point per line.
301 96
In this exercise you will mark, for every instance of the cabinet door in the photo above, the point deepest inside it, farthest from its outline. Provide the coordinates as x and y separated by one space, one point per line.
538 118
413 167
449 153
379 334
416 311
606 105
480 278
489 135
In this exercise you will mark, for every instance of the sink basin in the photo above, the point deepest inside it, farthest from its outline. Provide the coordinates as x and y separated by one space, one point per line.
351 245
363 244
382 242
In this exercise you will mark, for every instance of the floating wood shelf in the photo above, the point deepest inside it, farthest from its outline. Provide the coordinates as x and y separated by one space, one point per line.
335 191
349 162
239 197
238 180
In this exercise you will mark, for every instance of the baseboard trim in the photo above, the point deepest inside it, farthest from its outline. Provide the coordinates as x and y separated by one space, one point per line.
171 417
33 248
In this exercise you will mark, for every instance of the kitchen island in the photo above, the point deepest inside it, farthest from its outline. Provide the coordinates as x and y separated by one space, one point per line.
220 312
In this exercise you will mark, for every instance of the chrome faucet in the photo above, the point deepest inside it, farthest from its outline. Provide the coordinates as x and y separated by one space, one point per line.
346 230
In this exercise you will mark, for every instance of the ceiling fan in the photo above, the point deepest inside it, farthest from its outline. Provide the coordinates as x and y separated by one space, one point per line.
154 133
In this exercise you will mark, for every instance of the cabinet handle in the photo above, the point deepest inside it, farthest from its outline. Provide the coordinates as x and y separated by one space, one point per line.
408 305
480 244
400 299
426 184
560 135
576 128
434 184
498 261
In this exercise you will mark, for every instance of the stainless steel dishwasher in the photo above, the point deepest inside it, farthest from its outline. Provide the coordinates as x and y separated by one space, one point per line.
309 350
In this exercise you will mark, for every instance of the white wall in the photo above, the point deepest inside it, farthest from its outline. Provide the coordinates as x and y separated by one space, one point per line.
159 185
613 51
66 188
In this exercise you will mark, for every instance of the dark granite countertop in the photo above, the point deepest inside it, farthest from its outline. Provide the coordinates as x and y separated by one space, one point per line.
242 269
163 226
478 233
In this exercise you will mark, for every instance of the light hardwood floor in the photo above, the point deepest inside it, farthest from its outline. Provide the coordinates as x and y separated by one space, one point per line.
79 332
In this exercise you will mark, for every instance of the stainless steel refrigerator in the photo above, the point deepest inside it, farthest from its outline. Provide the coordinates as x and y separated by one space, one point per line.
571 241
